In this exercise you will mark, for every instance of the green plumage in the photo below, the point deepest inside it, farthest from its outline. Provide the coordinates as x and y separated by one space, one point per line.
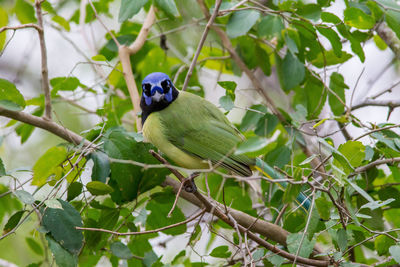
191 131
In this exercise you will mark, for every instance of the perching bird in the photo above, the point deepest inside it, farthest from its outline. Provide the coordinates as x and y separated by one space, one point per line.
192 131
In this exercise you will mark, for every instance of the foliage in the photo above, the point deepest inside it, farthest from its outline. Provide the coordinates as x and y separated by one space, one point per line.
352 183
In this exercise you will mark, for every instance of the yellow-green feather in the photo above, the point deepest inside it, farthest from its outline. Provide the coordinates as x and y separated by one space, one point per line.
191 131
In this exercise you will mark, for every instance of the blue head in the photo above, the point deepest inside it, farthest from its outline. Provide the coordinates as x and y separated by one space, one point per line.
157 93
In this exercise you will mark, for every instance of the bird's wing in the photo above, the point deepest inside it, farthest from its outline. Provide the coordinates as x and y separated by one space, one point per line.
205 132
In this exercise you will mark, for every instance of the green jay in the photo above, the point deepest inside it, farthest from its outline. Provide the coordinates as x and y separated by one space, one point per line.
192 132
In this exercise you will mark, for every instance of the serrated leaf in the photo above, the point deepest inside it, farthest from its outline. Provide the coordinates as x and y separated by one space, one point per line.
25 197
63 257
101 166
130 8
121 250
221 252
47 163
354 151
226 102
241 22
61 224
355 17
168 6
13 221
98 188
10 97
395 253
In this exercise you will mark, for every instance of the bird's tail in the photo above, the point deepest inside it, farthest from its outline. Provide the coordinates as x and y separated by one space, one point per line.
302 200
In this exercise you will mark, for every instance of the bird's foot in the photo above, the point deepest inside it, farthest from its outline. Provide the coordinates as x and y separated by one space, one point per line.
189 183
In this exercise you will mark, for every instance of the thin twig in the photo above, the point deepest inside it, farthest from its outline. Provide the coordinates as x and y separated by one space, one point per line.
45 71
142 232
23 26
201 43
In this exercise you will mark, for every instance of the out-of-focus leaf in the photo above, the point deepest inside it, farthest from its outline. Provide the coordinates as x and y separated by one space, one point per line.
99 58
329 58
292 71
98 188
392 19
47 163
13 221
252 144
121 250
377 204
64 84
355 17
25 12
338 86
25 197
383 244
62 256
241 22
168 6
395 253
230 87
62 22
354 151
3 22
61 223
130 8
342 239
379 42
294 242
330 18
2 168
74 190
34 245
226 102
25 130
10 97
270 26
221 252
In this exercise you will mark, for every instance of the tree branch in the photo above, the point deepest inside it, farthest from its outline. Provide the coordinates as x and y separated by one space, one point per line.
23 26
389 37
377 103
124 56
45 71
201 43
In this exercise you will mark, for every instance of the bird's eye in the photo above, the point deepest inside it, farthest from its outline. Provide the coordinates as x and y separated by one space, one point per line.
166 85
146 88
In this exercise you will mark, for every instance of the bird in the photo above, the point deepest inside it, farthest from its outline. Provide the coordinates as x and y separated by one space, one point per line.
193 132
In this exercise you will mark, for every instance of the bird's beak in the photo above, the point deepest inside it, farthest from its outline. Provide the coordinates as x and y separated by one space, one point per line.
157 96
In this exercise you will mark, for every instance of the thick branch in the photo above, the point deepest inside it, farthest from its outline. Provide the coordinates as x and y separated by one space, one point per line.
47 125
201 43
45 72
124 56
389 37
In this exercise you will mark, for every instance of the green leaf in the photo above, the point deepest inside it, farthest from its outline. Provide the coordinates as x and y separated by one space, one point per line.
382 244
279 157
230 87
241 22
270 26
25 197
310 11
293 72
340 160
25 12
62 22
99 58
121 250
13 221
338 86
159 207
294 242
10 97
333 38
25 130
266 125
377 204
63 257
221 252
226 102
252 116
130 8
98 188
129 180
342 239
395 253
34 245
291 193
61 223
355 17
64 84
379 42
168 6
107 220
252 144
354 151
101 166
330 18
3 22
2 168
47 163
329 58
393 22
150 258
74 190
